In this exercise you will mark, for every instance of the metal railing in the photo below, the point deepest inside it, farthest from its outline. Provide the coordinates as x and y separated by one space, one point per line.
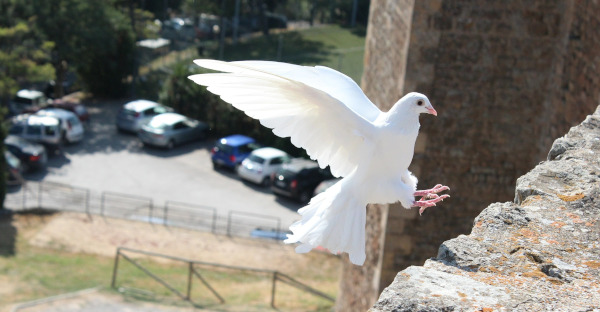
59 196
180 214
193 272
245 224
126 206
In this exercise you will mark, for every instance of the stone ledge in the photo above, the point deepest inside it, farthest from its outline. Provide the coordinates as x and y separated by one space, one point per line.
538 253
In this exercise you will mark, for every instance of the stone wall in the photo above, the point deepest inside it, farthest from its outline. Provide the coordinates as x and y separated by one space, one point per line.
506 77
538 253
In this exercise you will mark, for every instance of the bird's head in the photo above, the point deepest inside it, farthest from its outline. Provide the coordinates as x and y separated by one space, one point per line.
417 103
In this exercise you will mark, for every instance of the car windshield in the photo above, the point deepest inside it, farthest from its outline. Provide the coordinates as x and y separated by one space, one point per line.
22 100
256 159
11 160
160 110
74 121
247 148
288 173
129 112
224 148
22 144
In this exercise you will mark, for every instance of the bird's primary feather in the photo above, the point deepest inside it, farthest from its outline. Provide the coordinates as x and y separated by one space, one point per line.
294 109
327 114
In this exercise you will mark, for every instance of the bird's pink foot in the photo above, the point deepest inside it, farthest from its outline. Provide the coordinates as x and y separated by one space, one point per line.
436 189
430 197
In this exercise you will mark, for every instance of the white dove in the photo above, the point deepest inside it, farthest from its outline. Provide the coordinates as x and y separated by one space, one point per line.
326 113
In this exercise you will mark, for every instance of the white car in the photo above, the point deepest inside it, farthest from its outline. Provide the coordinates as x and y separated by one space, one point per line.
70 126
261 163
26 99
135 113
41 129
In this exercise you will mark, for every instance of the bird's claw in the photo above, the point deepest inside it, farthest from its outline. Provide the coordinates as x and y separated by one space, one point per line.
430 197
436 189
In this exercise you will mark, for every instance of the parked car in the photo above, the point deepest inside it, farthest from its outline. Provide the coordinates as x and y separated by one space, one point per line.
133 114
170 129
298 179
179 29
261 163
13 169
41 129
77 108
32 155
71 129
230 151
26 99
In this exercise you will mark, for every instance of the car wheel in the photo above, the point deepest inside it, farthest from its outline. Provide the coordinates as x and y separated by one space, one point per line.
216 166
304 197
170 144
266 182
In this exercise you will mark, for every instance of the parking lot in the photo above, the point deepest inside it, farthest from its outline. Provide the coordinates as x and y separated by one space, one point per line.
109 161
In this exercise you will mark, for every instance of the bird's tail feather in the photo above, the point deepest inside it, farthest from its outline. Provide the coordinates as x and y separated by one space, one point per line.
334 220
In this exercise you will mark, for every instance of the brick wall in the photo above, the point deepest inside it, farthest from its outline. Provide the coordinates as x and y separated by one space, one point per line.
506 77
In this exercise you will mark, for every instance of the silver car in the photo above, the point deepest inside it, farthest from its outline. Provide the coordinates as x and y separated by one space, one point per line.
135 113
170 129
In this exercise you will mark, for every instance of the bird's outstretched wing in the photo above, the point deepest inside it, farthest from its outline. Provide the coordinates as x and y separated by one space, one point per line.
320 109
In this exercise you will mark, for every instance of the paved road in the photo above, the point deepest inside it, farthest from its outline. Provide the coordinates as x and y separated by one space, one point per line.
110 161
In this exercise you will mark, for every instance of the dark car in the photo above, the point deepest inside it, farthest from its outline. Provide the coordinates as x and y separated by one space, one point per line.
33 156
298 179
230 151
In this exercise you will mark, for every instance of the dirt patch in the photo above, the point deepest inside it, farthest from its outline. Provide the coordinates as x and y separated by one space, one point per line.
78 233
96 235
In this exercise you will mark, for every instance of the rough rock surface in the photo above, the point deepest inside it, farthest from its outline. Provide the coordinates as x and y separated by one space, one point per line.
538 253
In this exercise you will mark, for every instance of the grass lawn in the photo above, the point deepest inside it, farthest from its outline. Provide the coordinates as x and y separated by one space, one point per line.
333 46
29 272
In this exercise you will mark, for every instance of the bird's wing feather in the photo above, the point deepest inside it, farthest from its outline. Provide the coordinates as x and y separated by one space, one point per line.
325 79
328 130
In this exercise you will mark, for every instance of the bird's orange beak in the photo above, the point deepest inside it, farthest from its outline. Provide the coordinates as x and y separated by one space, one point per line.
432 111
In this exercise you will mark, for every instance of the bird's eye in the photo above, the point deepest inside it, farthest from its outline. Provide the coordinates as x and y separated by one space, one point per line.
420 103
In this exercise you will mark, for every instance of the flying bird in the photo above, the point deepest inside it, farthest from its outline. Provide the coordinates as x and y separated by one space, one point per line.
326 113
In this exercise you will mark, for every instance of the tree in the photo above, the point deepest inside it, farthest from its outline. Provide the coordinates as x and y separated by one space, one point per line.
24 60
3 176
195 101
24 55
92 36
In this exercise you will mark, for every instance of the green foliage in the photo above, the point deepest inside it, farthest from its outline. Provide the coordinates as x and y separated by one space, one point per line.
94 37
320 45
3 176
192 100
205 6
147 85
107 59
23 58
